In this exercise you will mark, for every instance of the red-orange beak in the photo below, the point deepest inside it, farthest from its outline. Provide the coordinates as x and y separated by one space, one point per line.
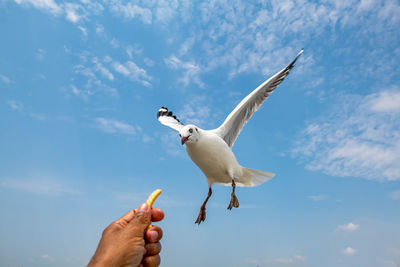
184 139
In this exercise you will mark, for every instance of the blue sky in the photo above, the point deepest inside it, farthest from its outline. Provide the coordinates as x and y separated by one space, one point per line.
80 144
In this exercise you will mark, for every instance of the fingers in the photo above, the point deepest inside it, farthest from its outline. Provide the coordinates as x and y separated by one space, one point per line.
154 234
156 215
124 220
152 248
151 261
140 220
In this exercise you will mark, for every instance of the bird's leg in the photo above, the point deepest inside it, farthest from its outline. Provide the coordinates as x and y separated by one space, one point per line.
202 213
234 201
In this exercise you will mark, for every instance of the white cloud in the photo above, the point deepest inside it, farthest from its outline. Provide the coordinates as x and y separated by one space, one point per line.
133 72
100 30
359 138
170 142
118 67
46 257
48 5
5 79
395 195
83 30
103 70
40 54
75 13
115 126
115 43
149 62
130 11
94 84
386 102
196 111
39 186
38 116
191 71
318 197
349 251
107 59
284 260
84 94
350 227
15 105
295 260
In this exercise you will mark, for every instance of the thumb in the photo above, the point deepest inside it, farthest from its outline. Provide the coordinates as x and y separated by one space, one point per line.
141 220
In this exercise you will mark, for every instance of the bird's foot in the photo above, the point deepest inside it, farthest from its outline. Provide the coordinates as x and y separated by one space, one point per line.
234 202
202 216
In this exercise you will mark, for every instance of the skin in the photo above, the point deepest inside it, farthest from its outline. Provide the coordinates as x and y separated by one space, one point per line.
129 241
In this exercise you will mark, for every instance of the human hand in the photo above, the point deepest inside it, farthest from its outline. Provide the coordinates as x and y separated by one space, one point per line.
129 242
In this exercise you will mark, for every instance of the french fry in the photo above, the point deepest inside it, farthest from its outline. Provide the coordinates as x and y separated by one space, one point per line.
151 200
153 197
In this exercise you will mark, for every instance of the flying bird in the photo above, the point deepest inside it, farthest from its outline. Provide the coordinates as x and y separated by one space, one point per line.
211 150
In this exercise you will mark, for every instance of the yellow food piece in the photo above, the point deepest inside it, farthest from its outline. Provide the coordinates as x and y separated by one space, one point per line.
153 197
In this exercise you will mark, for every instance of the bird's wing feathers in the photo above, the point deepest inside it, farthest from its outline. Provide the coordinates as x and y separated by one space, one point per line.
233 124
167 118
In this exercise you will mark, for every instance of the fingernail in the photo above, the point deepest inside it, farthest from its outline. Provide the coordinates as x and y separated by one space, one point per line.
153 235
144 207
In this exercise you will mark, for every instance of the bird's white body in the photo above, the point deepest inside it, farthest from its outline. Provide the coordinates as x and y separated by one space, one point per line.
215 158
211 150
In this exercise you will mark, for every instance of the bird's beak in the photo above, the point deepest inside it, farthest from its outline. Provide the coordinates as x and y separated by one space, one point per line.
184 139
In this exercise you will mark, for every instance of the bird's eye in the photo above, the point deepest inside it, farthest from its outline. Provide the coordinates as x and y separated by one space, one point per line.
190 130
180 135
197 130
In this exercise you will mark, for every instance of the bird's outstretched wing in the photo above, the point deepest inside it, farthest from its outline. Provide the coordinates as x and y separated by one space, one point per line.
167 118
233 124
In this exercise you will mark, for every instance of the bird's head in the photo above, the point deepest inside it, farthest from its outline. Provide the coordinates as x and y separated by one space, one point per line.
189 134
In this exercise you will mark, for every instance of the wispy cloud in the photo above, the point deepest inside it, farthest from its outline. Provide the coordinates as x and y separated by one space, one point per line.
191 71
47 5
115 126
350 227
73 12
92 69
252 37
15 105
39 186
133 72
170 143
102 69
5 79
48 258
84 94
349 251
386 101
38 116
131 11
360 137
196 111
318 197
291 260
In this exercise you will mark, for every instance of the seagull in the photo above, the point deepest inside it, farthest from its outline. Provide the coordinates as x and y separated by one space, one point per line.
211 150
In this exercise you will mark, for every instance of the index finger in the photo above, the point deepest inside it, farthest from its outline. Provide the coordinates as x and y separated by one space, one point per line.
124 220
156 215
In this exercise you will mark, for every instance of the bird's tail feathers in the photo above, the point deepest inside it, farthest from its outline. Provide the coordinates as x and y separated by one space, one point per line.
251 177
